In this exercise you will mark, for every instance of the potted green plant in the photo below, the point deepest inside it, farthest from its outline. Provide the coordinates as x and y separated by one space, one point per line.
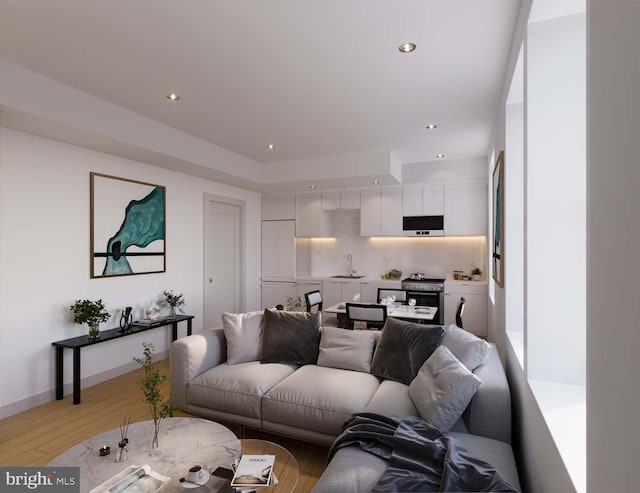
175 302
90 313
150 383
476 274
294 304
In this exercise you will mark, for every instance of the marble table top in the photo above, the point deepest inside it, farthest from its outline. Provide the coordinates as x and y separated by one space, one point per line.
184 442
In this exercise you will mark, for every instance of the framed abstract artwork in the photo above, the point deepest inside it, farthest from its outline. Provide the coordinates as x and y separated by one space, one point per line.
497 250
127 227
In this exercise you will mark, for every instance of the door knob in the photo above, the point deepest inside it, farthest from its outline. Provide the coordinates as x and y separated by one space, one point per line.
210 280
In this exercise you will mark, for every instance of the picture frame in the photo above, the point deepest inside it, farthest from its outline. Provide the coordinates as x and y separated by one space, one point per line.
127 227
497 248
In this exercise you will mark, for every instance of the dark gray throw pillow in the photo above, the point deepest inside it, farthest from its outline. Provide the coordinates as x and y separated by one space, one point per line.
290 337
403 348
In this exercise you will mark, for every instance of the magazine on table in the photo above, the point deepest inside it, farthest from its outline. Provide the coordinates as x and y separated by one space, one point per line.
253 471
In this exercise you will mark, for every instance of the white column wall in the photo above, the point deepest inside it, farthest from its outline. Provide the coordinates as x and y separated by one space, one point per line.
556 197
613 341
44 260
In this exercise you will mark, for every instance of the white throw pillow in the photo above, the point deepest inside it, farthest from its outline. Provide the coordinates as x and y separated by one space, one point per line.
243 332
346 349
443 389
469 349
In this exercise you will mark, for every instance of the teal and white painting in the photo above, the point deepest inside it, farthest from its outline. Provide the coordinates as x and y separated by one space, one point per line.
127 227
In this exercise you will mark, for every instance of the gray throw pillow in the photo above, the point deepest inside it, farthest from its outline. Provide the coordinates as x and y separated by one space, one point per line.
469 349
443 389
290 337
403 348
346 349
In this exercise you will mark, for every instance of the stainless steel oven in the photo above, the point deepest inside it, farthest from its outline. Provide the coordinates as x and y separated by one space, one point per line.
426 292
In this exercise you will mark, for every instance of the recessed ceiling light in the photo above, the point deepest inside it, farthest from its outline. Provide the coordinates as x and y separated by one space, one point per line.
312 186
431 126
375 182
407 47
271 147
173 96
439 156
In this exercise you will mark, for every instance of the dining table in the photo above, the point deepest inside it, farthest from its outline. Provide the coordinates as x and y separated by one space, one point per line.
419 314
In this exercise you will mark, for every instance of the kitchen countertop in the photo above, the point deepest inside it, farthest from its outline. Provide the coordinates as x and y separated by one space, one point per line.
359 279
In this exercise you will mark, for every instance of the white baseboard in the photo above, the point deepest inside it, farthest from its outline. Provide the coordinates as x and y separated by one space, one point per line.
50 395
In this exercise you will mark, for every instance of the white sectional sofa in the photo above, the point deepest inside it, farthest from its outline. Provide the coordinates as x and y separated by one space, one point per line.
312 401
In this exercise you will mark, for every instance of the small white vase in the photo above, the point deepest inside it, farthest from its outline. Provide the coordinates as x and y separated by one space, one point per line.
153 311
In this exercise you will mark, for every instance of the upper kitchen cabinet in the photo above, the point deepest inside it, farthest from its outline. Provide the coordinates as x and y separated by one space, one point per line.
309 218
391 211
347 199
465 209
278 207
370 212
427 200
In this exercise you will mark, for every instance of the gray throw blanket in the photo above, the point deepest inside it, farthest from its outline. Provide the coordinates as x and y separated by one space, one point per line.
420 457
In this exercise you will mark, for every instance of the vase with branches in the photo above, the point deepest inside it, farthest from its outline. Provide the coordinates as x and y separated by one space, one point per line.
175 302
151 383
90 313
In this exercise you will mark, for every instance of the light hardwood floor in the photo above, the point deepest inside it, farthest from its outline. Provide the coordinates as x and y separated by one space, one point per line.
36 436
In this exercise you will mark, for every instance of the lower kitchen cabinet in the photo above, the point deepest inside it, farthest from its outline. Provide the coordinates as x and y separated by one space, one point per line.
369 289
334 291
277 293
475 294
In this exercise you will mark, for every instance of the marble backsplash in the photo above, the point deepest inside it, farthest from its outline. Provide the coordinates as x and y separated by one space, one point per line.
435 257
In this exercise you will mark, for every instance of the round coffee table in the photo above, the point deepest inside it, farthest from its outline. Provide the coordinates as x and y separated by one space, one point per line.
184 442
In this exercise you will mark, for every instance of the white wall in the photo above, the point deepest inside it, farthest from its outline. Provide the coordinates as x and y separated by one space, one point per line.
613 314
44 260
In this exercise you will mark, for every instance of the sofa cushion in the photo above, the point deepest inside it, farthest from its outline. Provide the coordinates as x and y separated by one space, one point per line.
243 332
443 389
468 348
346 349
290 337
236 388
318 398
392 399
403 348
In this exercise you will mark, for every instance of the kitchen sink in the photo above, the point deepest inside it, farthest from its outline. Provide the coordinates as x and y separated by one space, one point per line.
347 277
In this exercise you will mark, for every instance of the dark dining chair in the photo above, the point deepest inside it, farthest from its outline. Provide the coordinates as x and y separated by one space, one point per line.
313 299
459 312
400 294
374 315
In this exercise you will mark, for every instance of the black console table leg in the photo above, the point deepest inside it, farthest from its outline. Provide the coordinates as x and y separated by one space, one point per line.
174 331
76 375
59 373
189 326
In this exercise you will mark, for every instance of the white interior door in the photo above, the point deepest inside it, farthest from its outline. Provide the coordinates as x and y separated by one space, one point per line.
222 261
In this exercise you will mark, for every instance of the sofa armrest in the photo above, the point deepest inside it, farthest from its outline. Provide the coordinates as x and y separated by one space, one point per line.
489 413
190 356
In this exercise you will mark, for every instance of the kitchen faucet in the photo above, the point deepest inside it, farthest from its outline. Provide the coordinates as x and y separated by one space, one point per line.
350 264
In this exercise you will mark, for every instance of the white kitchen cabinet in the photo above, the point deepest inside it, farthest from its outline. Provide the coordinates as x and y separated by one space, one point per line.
412 201
369 289
309 218
276 293
465 209
370 212
278 207
475 294
337 291
278 250
350 199
391 211
433 200
303 287
346 199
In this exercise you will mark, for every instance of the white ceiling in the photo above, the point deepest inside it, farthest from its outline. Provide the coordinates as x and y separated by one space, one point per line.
315 77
